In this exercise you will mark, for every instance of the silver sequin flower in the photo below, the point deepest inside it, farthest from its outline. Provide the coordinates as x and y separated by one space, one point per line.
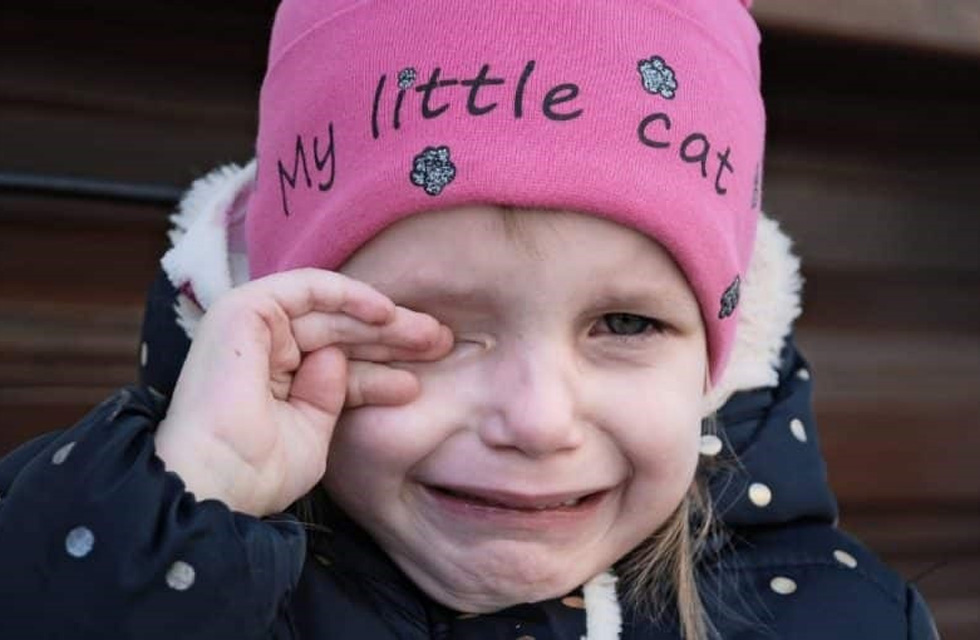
658 78
433 170
406 77
729 299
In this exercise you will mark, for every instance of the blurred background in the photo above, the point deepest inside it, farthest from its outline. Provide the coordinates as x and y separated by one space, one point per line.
109 109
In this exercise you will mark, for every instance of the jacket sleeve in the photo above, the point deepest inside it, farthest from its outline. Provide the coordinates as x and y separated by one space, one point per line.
921 624
98 540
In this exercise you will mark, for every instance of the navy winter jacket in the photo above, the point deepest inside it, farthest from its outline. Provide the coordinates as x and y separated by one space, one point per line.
98 541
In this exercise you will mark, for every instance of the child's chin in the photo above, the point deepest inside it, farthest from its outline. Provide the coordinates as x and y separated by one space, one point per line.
484 587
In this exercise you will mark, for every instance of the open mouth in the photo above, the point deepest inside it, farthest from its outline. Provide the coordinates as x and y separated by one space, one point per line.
495 500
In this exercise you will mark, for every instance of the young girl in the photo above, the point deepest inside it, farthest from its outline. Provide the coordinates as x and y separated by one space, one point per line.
471 320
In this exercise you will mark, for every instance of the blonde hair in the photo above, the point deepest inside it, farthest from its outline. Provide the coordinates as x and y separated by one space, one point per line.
662 573
663 570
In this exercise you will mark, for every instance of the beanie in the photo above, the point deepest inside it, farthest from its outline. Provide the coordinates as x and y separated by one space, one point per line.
647 113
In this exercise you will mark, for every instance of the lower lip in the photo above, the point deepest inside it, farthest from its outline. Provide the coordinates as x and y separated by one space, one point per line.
459 507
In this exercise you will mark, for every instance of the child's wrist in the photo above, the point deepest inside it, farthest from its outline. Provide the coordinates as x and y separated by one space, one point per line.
207 469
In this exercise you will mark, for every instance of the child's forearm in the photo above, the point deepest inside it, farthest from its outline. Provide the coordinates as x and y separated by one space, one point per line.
98 538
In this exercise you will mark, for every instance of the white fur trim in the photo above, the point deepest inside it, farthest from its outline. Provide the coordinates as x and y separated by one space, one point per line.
603 617
188 314
769 302
199 254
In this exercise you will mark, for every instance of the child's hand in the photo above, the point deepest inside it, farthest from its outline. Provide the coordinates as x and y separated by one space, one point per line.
271 365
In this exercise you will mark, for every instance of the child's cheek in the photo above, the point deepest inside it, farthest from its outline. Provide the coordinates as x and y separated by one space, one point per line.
654 416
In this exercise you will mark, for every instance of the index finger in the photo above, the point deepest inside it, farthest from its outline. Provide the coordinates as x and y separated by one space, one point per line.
300 291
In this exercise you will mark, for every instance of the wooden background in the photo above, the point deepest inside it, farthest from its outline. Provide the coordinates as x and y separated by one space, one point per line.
873 167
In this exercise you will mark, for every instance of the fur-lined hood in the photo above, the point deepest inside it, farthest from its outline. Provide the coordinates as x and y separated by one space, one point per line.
762 397
95 528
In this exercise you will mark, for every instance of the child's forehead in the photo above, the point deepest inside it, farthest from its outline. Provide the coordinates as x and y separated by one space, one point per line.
487 256
468 247
462 289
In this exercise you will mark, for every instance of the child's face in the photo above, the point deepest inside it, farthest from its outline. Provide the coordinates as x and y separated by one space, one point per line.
545 399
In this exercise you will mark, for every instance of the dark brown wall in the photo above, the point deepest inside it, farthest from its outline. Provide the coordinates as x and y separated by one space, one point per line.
872 167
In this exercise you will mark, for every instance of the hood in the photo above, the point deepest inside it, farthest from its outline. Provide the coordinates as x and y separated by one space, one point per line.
769 468
764 462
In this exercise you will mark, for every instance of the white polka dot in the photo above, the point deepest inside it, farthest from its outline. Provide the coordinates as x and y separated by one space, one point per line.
799 431
180 576
783 585
710 445
803 374
760 494
845 558
62 454
79 542
144 354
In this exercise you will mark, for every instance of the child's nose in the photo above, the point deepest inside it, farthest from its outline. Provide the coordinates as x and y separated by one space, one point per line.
533 403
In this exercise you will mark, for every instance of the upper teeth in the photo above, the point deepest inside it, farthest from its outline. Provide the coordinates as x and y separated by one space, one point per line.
568 503
571 502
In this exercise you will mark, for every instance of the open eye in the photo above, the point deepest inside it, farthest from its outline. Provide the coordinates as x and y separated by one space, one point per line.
629 324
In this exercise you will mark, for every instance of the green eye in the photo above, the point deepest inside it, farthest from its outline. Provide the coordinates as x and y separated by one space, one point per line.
628 324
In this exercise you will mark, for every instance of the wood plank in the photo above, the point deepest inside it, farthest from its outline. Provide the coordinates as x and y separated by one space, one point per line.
932 25
78 250
890 406
911 530
885 300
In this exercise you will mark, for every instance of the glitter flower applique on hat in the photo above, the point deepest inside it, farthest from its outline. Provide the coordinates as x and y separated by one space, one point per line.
433 170
729 299
406 77
658 78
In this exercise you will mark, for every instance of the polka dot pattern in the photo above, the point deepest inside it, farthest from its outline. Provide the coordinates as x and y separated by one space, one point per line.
180 576
782 585
760 494
62 454
798 430
711 445
79 542
803 374
845 558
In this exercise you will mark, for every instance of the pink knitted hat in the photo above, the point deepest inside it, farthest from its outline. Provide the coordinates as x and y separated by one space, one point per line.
644 112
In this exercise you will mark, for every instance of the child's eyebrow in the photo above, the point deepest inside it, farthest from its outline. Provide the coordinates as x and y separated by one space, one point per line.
423 293
659 299
417 293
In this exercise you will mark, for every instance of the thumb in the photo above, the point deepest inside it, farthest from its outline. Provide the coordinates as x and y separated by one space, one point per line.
320 382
